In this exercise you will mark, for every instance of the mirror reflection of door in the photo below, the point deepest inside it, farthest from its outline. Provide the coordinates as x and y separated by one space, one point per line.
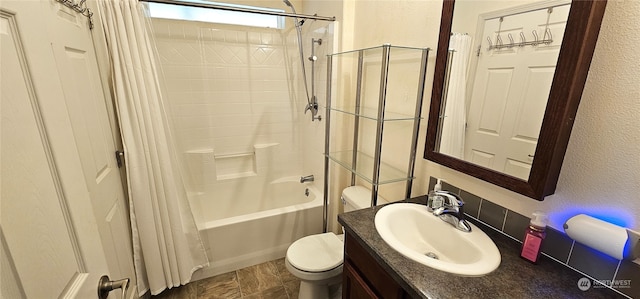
509 83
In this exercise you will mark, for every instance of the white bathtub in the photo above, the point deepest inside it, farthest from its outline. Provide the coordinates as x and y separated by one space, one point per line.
245 222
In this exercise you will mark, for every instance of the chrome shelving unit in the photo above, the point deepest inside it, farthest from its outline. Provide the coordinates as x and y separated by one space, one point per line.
371 168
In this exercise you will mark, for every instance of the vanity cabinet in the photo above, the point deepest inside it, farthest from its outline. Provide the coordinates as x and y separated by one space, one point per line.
363 277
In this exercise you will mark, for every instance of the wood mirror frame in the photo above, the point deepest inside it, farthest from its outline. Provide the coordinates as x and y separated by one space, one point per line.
574 59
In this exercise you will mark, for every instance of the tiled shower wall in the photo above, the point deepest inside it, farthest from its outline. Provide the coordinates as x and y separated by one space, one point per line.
232 91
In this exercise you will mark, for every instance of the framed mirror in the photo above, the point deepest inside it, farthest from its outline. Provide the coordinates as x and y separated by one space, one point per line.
524 74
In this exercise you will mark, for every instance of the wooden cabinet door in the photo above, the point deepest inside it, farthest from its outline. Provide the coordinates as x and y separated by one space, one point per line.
353 286
363 277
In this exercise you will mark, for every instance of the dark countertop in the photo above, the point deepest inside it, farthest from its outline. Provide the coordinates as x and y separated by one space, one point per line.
514 278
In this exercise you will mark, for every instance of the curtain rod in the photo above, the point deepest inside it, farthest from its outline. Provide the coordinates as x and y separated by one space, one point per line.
242 9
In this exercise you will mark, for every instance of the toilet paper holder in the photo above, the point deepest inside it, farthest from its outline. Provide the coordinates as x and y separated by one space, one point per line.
613 240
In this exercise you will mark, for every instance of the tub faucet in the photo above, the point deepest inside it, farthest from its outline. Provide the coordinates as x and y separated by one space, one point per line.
308 178
449 207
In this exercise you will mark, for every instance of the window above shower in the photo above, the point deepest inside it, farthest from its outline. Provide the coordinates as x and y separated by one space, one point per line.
186 13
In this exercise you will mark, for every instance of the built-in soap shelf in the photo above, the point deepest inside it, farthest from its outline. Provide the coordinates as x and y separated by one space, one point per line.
233 166
364 167
207 166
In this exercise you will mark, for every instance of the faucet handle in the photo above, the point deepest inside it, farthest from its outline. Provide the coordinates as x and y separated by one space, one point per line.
443 199
452 199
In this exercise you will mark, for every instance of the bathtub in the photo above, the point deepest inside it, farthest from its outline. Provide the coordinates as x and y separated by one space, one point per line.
249 221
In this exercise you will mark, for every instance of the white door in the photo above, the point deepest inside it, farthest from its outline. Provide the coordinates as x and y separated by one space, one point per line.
63 210
510 92
86 103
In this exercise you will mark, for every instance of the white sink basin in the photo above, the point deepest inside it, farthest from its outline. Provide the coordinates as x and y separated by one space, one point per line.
417 234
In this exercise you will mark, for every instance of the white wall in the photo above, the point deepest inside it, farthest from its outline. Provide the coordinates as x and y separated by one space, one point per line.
601 170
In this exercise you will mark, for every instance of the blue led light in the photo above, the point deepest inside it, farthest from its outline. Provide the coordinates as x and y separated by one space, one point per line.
617 216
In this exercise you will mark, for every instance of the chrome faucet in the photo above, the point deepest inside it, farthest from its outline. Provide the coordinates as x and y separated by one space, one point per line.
308 178
448 207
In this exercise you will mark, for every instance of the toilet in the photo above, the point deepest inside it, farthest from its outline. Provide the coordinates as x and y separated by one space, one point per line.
317 259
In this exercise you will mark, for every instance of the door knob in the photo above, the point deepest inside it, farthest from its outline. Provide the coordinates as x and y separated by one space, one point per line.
105 286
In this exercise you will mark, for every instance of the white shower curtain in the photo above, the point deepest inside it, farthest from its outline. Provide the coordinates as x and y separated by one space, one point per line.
453 129
166 244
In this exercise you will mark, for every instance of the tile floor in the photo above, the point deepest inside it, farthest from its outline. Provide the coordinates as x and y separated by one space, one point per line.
269 280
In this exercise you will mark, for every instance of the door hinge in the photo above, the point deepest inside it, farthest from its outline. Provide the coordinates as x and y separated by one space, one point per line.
479 50
120 158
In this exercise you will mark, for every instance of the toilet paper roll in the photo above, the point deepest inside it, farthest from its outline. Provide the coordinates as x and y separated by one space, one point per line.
597 234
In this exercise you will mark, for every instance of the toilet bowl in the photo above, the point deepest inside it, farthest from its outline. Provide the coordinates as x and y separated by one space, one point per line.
317 259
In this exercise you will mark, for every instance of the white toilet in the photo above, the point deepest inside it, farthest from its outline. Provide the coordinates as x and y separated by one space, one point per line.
317 259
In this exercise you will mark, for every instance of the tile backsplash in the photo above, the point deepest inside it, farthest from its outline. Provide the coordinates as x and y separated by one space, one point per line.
623 276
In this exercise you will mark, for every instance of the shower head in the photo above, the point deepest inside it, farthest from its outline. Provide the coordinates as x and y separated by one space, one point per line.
288 3
293 9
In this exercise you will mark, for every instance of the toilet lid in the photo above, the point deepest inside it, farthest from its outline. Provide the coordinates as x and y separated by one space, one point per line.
316 253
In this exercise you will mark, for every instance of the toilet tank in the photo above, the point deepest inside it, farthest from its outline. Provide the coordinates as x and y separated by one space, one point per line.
358 197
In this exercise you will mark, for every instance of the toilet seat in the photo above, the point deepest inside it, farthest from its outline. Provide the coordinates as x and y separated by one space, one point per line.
317 260
316 253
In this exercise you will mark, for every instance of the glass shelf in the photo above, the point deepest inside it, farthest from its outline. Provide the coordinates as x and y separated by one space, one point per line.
364 167
365 80
372 113
378 49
